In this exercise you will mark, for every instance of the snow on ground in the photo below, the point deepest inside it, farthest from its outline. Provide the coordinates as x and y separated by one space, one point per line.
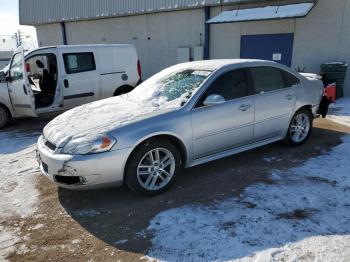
303 216
18 194
18 168
340 112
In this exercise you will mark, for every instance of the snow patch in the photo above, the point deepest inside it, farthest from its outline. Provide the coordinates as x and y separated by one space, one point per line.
18 194
263 13
8 239
340 112
304 214
121 242
76 241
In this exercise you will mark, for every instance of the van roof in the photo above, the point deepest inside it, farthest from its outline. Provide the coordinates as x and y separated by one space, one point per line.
87 45
78 46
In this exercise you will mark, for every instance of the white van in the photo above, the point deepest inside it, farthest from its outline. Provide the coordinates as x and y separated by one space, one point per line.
52 79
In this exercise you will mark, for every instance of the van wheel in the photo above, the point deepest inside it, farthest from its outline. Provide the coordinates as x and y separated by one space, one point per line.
122 90
4 117
300 128
152 167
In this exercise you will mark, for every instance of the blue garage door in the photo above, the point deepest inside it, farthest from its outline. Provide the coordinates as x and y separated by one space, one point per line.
275 47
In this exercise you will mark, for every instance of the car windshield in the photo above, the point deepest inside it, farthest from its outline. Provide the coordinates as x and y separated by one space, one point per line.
170 88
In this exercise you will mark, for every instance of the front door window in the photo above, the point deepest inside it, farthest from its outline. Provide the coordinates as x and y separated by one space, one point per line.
16 70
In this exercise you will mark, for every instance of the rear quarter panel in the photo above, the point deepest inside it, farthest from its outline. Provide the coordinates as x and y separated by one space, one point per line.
309 93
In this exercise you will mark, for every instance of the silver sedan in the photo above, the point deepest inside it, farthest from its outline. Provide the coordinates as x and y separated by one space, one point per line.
184 116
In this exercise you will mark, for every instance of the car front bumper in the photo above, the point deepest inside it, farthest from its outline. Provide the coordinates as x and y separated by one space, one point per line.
82 171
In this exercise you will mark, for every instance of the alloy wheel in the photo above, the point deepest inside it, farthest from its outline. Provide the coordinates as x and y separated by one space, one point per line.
156 169
300 128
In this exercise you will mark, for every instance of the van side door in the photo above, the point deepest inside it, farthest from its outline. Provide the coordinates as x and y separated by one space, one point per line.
80 79
20 92
44 77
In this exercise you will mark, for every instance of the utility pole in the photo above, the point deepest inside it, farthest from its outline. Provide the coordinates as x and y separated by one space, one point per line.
18 37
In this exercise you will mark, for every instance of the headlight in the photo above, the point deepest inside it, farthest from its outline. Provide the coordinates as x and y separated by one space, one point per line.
82 146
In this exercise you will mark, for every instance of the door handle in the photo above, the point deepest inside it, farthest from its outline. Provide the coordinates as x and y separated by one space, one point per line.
289 97
244 107
25 90
66 83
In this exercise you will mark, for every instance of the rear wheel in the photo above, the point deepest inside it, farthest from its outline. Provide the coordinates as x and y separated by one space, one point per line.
153 167
300 127
122 90
4 117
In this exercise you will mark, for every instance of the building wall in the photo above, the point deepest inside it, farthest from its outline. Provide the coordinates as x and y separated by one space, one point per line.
156 36
7 43
323 36
50 34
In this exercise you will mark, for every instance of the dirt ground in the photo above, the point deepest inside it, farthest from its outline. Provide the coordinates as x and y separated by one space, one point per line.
93 225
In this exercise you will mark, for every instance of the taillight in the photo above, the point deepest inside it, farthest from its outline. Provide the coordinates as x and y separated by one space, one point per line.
27 67
139 70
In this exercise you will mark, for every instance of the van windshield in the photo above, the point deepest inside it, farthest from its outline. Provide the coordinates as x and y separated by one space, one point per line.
175 87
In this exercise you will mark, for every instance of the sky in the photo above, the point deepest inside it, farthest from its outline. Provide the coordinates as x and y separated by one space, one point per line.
9 21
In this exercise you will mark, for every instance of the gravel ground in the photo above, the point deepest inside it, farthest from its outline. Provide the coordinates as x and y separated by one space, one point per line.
41 222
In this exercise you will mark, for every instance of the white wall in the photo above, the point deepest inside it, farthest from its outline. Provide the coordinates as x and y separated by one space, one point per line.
324 35
156 36
50 34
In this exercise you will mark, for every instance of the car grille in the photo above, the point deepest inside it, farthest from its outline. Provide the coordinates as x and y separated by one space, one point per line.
50 145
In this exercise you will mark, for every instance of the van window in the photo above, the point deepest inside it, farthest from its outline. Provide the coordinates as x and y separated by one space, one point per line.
79 62
16 70
267 79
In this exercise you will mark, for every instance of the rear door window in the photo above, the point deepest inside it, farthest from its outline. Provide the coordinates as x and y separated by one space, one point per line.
79 62
290 80
267 79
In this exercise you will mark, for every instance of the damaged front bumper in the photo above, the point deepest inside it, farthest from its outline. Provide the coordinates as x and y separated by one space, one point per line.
82 171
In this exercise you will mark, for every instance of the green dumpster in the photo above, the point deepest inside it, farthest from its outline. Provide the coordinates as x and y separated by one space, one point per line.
335 72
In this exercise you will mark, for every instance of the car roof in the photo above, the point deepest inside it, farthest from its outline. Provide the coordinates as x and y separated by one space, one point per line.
215 64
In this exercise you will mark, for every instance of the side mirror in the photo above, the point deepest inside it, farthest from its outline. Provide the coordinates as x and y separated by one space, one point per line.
3 77
214 100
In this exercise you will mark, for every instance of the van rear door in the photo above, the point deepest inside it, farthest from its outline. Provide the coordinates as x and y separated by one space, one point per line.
21 94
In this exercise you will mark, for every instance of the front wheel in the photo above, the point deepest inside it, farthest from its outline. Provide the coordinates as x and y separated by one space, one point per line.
4 117
153 167
300 127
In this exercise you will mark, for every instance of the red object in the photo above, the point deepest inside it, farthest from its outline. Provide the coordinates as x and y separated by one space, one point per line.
139 70
330 91
27 67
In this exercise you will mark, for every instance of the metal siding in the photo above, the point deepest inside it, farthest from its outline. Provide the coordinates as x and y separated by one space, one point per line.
36 12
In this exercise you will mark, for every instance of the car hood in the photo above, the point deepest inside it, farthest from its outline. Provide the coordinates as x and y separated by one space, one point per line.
92 120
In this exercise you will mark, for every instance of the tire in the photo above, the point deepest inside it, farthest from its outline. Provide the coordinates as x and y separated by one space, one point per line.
141 174
4 117
300 128
122 90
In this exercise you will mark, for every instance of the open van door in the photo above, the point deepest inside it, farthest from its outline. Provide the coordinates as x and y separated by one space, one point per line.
21 94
